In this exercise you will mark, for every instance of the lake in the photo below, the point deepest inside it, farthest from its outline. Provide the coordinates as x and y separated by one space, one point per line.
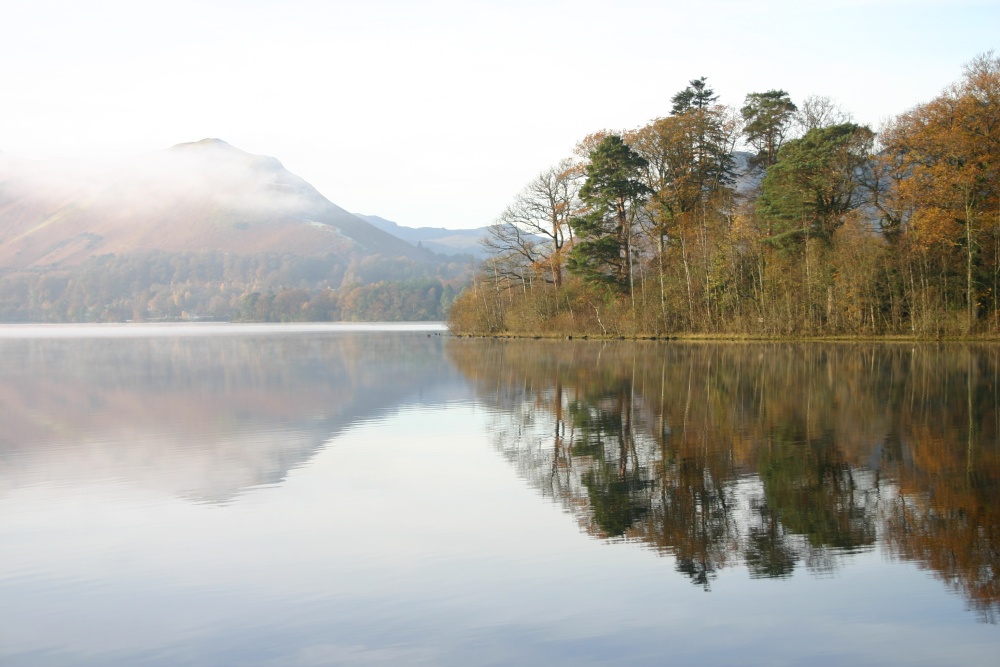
388 494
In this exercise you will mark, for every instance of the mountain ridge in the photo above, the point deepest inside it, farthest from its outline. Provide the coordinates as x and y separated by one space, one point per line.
436 239
208 194
201 230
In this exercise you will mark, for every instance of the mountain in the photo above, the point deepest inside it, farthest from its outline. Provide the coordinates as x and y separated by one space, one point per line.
194 197
201 230
437 239
748 174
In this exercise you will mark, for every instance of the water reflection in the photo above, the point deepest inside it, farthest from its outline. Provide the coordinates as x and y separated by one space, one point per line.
774 457
203 416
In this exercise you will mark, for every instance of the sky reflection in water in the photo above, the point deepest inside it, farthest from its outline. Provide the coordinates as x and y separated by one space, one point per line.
341 497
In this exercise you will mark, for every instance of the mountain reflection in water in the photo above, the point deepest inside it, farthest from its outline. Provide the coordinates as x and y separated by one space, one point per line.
776 457
204 417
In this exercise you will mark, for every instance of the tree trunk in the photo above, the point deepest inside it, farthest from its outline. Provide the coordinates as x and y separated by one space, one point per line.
970 296
687 277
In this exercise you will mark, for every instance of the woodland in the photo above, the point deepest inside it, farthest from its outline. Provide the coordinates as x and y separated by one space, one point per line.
780 218
266 287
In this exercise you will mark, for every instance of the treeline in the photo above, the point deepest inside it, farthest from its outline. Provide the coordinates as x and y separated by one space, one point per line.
157 286
822 226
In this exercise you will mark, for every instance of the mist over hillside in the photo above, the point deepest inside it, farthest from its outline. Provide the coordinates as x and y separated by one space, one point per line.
193 197
200 230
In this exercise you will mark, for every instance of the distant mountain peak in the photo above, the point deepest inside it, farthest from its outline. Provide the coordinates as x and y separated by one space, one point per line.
218 153
207 143
211 195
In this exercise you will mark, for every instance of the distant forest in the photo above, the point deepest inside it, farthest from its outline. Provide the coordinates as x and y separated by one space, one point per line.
162 286
818 225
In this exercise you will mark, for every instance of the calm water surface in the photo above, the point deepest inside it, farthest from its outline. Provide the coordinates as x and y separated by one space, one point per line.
339 495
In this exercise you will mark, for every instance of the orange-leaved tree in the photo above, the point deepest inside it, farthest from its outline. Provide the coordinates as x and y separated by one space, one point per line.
948 154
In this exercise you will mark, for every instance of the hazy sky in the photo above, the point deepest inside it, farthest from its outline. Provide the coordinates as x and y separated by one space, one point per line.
435 113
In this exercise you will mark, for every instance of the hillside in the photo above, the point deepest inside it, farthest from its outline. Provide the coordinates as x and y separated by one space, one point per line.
194 197
200 230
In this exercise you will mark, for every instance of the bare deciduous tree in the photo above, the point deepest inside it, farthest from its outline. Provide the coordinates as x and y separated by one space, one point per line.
533 232
820 111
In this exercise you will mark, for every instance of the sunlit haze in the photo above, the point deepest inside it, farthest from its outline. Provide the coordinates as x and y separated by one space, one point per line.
435 113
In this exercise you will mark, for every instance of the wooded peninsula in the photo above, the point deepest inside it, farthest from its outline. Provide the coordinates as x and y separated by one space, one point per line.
820 227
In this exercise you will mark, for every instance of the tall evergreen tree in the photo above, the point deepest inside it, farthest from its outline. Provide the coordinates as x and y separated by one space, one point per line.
711 153
613 194
816 180
768 117
696 97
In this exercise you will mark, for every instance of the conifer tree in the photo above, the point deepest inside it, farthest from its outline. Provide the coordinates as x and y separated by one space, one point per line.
613 194
768 117
815 181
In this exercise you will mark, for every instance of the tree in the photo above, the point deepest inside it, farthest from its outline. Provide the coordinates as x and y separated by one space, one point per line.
690 169
818 111
685 178
816 180
948 153
697 96
612 194
711 155
768 117
533 231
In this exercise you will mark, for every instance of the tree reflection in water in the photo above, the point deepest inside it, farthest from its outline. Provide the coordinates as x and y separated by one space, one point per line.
772 456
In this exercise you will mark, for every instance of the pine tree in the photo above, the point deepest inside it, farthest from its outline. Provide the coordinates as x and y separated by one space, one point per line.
613 193
768 117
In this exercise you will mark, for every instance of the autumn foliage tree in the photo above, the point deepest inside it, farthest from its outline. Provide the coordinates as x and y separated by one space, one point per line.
689 173
530 236
947 152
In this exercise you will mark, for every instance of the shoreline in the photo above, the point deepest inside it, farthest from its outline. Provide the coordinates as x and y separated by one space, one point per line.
738 338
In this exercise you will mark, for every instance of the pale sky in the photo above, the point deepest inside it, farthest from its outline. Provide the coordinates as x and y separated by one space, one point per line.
436 112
